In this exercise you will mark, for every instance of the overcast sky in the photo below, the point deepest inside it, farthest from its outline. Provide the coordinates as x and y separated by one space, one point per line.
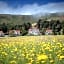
31 7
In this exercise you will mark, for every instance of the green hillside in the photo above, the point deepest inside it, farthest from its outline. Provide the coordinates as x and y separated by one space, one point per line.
20 19
16 19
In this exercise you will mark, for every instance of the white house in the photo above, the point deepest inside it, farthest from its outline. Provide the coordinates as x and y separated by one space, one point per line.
1 33
17 32
14 32
48 32
34 30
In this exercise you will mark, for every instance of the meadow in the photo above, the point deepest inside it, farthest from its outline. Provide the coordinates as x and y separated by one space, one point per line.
32 50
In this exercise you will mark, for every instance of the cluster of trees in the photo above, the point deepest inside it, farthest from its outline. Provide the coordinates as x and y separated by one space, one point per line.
23 28
56 26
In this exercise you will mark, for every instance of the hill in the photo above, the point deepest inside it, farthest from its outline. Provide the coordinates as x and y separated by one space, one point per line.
20 19
15 19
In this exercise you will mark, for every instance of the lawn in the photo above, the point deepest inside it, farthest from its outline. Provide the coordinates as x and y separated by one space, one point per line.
32 50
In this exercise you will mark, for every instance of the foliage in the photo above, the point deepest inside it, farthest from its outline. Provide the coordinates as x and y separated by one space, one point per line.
23 23
55 25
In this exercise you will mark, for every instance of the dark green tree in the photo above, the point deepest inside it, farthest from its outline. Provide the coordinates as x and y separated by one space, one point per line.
4 28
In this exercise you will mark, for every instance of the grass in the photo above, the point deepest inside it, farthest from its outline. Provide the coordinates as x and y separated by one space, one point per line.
32 50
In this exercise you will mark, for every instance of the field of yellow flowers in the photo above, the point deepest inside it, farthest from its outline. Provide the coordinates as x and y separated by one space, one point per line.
32 50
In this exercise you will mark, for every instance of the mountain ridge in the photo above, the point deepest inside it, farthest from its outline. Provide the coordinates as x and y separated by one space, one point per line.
19 19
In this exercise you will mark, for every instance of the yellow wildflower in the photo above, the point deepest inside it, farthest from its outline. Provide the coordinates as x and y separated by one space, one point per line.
42 57
62 57
42 61
51 61
62 49
15 49
13 62
4 53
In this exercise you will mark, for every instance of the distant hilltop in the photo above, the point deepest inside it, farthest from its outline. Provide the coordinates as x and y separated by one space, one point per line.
15 19
19 19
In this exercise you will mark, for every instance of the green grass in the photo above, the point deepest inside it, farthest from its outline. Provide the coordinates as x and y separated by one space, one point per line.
32 50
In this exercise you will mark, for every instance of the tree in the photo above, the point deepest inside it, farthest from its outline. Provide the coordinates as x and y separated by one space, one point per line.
4 28
39 23
24 32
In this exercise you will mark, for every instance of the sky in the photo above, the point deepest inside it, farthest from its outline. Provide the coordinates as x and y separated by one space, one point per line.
31 7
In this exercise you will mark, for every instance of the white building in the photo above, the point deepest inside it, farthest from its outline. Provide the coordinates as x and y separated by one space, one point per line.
34 30
17 32
1 33
48 32
14 32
